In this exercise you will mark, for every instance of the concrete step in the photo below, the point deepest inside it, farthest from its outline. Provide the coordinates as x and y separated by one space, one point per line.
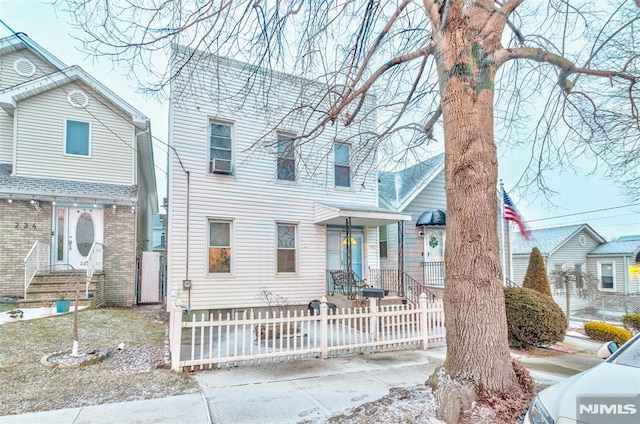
39 303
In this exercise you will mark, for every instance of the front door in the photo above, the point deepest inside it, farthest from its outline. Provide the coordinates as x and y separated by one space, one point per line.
337 251
75 231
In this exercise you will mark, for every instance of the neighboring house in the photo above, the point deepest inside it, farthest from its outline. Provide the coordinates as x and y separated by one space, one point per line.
159 242
250 207
77 181
579 247
419 191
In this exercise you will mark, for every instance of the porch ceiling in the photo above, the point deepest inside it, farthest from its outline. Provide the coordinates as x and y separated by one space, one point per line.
361 216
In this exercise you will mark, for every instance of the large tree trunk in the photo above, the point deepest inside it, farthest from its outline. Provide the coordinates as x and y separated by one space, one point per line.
477 342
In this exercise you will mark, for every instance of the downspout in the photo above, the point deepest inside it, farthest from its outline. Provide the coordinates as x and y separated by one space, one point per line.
186 284
625 261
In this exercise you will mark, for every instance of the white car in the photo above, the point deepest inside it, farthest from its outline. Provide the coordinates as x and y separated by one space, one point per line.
608 393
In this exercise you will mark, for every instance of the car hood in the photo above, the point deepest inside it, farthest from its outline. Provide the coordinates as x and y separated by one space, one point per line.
605 379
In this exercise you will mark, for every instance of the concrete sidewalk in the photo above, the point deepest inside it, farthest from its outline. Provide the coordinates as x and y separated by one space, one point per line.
286 392
289 392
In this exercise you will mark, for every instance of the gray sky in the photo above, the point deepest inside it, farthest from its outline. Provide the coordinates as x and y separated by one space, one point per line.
576 192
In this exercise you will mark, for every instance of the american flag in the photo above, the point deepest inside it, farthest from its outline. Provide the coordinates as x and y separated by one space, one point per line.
511 214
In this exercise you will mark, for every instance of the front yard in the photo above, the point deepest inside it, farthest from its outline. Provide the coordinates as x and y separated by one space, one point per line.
133 373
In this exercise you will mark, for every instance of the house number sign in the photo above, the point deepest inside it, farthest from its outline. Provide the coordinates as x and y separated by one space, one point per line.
25 225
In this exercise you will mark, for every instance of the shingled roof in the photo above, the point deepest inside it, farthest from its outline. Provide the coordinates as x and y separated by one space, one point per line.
27 186
397 189
548 240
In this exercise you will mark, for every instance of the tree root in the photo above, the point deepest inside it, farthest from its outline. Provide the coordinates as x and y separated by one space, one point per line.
464 402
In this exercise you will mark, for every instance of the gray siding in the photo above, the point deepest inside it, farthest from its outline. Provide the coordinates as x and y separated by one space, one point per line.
40 143
432 197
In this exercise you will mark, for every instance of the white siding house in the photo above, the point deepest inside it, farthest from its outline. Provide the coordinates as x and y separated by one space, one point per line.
614 264
253 204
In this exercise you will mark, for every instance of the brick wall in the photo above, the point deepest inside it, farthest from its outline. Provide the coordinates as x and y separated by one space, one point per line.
16 241
119 257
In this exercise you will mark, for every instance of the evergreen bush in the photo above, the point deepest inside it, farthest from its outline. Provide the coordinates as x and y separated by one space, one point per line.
606 332
632 321
536 277
533 319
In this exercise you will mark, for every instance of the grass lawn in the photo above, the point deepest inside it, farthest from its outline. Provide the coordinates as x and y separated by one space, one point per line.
4 307
130 374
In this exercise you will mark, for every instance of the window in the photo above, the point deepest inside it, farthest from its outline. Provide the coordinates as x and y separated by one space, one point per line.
382 237
606 275
579 276
558 280
342 170
220 146
77 138
219 247
286 158
286 248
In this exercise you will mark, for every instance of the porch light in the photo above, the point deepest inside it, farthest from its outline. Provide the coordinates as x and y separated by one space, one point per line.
133 208
53 202
75 202
95 203
114 209
10 200
33 200
350 241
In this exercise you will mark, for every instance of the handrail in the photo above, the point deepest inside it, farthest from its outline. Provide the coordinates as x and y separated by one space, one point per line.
37 259
510 283
402 284
413 288
433 273
94 262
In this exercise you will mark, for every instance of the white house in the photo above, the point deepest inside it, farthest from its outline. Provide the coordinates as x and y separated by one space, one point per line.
254 203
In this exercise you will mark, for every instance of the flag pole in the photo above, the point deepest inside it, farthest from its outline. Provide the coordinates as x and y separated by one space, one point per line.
504 269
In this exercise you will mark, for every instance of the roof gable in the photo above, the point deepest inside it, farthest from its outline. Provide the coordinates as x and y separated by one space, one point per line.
22 41
618 247
548 240
398 189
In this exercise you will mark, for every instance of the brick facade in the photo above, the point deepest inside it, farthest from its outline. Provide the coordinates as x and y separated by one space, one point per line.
119 249
21 225
119 257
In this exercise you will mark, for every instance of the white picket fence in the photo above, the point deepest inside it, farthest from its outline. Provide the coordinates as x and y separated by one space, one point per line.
253 338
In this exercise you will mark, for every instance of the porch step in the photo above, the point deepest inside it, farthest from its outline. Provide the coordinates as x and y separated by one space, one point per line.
391 300
40 303
49 286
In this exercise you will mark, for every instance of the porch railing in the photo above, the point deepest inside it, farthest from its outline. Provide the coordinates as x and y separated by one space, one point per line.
433 273
36 260
386 279
94 262
400 284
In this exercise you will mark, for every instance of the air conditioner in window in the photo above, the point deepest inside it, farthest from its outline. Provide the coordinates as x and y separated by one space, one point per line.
221 166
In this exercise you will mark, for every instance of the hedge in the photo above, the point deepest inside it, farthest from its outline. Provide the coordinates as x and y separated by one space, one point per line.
632 321
606 332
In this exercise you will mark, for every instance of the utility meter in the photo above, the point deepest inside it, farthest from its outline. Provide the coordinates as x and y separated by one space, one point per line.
186 284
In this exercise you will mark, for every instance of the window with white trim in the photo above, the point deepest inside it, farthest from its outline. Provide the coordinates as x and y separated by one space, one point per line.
219 247
607 275
220 148
558 280
579 270
382 238
286 247
77 136
286 158
342 170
